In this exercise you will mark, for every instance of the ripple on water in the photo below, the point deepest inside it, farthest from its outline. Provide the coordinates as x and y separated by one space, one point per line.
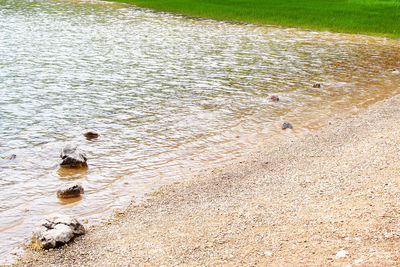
168 95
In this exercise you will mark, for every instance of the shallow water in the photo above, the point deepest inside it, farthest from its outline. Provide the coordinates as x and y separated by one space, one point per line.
169 96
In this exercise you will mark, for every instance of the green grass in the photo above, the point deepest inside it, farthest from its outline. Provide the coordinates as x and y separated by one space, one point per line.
374 17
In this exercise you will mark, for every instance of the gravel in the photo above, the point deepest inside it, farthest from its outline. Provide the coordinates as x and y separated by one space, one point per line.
298 203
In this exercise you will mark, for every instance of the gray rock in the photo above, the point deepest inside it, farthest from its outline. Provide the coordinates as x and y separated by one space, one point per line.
72 157
286 125
70 191
56 230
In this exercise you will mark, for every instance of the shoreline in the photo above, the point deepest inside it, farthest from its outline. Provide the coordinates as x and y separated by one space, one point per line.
325 197
372 18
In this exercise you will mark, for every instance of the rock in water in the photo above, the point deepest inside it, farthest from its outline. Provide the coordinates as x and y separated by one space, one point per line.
70 191
72 157
286 125
12 157
56 230
274 98
91 135
316 85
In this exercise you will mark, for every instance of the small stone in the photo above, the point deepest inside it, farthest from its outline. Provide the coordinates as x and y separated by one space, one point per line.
268 253
70 191
91 135
316 85
72 157
11 157
342 253
286 125
56 230
358 261
274 98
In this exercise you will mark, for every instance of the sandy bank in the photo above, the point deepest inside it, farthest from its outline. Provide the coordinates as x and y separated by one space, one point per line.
300 203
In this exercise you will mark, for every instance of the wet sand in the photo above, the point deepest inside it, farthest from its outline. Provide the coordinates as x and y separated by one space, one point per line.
327 197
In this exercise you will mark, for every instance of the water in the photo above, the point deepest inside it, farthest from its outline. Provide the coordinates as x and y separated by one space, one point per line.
169 96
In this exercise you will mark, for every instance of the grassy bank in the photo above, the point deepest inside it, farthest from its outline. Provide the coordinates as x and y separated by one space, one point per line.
375 17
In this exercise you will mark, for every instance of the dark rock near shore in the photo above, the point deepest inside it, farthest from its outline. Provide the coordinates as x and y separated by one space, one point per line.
286 125
70 191
91 135
55 231
72 157
316 85
274 98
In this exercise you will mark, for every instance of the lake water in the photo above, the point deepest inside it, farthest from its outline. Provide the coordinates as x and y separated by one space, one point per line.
169 96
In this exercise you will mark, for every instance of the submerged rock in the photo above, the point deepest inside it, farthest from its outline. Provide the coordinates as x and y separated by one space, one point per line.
72 157
56 230
316 85
274 98
11 157
286 125
208 104
70 191
91 135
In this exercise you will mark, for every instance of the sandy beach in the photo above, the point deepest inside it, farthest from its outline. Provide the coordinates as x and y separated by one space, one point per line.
328 197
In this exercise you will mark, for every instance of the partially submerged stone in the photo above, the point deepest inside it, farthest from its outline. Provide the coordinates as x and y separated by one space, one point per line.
72 157
70 191
274 98
56 230
286 125
316 85
91 135
11 157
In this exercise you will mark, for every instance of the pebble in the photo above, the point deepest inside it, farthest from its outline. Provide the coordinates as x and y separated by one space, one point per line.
91 135
358 261
274 98
287 125
12 157
268 253
342 253
316 85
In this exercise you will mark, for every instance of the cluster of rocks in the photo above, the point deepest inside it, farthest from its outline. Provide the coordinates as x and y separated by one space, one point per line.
274 98
57 229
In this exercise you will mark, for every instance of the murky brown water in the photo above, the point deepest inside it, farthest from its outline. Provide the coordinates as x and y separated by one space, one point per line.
169 95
